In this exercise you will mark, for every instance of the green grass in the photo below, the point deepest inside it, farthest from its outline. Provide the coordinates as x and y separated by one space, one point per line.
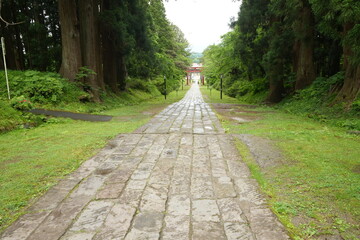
316 192
33 160
212 95
9 117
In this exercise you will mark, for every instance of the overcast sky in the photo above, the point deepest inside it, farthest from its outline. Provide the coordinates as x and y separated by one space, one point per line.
202 21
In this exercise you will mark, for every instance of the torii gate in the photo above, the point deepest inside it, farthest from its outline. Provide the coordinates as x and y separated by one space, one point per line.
194 69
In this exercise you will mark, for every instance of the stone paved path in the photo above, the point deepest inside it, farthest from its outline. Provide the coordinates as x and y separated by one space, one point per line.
178 177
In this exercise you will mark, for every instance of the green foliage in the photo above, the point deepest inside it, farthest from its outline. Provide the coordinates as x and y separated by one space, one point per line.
41 87
196 57
21 103
9 117
83 73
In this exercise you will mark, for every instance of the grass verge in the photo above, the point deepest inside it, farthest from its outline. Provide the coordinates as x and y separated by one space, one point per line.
33 160
316 191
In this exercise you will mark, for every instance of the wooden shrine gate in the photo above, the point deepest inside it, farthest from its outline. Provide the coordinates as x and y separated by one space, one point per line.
194 69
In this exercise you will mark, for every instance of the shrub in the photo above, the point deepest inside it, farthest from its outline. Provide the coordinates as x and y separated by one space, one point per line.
9 117
244 87
21 103
41 87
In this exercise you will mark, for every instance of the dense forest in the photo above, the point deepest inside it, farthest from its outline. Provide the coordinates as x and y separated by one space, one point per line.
275 47
103 45
284 46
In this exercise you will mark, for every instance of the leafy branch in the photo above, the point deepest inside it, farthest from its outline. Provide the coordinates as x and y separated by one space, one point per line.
6 22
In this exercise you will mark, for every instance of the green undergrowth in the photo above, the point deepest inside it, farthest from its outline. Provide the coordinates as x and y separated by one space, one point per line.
317 102
9 117
316 191
211 95
47 90
32 160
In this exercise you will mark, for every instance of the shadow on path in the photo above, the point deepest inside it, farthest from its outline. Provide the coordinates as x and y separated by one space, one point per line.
76 116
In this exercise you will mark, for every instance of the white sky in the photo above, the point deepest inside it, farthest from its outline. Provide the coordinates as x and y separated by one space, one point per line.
202 21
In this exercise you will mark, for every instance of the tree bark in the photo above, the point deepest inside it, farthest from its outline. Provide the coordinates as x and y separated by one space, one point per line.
90 45
109 60
276 83
121 72
351 87
70 38
305 69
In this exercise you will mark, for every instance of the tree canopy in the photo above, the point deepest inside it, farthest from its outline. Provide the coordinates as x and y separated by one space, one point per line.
285 45
101 44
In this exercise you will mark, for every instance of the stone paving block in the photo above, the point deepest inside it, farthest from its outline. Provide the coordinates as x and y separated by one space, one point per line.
120 175
208 231
238 231
146 226
131 162
238 169
110 191
180 185
93 216
223 187
205 210
141 174
115 157
54 196
93 162
136 184
179 205
249 191
151 157
160 177
187 140
82 172
106 168
125 150
185 150
215 151
88 187
218 172
78 236
176 227
230 210
58 221
265 225
117 222
154 199
198 130
22 228
201 189
131 197
131 139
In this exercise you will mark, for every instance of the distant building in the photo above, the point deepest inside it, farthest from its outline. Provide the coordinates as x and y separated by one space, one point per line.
194 73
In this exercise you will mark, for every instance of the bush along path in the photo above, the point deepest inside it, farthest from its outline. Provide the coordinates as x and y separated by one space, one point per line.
177 177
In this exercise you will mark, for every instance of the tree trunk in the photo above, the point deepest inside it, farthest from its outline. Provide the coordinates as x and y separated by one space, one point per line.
276 83
70 38
19 49
108 52
351 87
334 57
90 45
305 70
122 72
10 48
109 59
